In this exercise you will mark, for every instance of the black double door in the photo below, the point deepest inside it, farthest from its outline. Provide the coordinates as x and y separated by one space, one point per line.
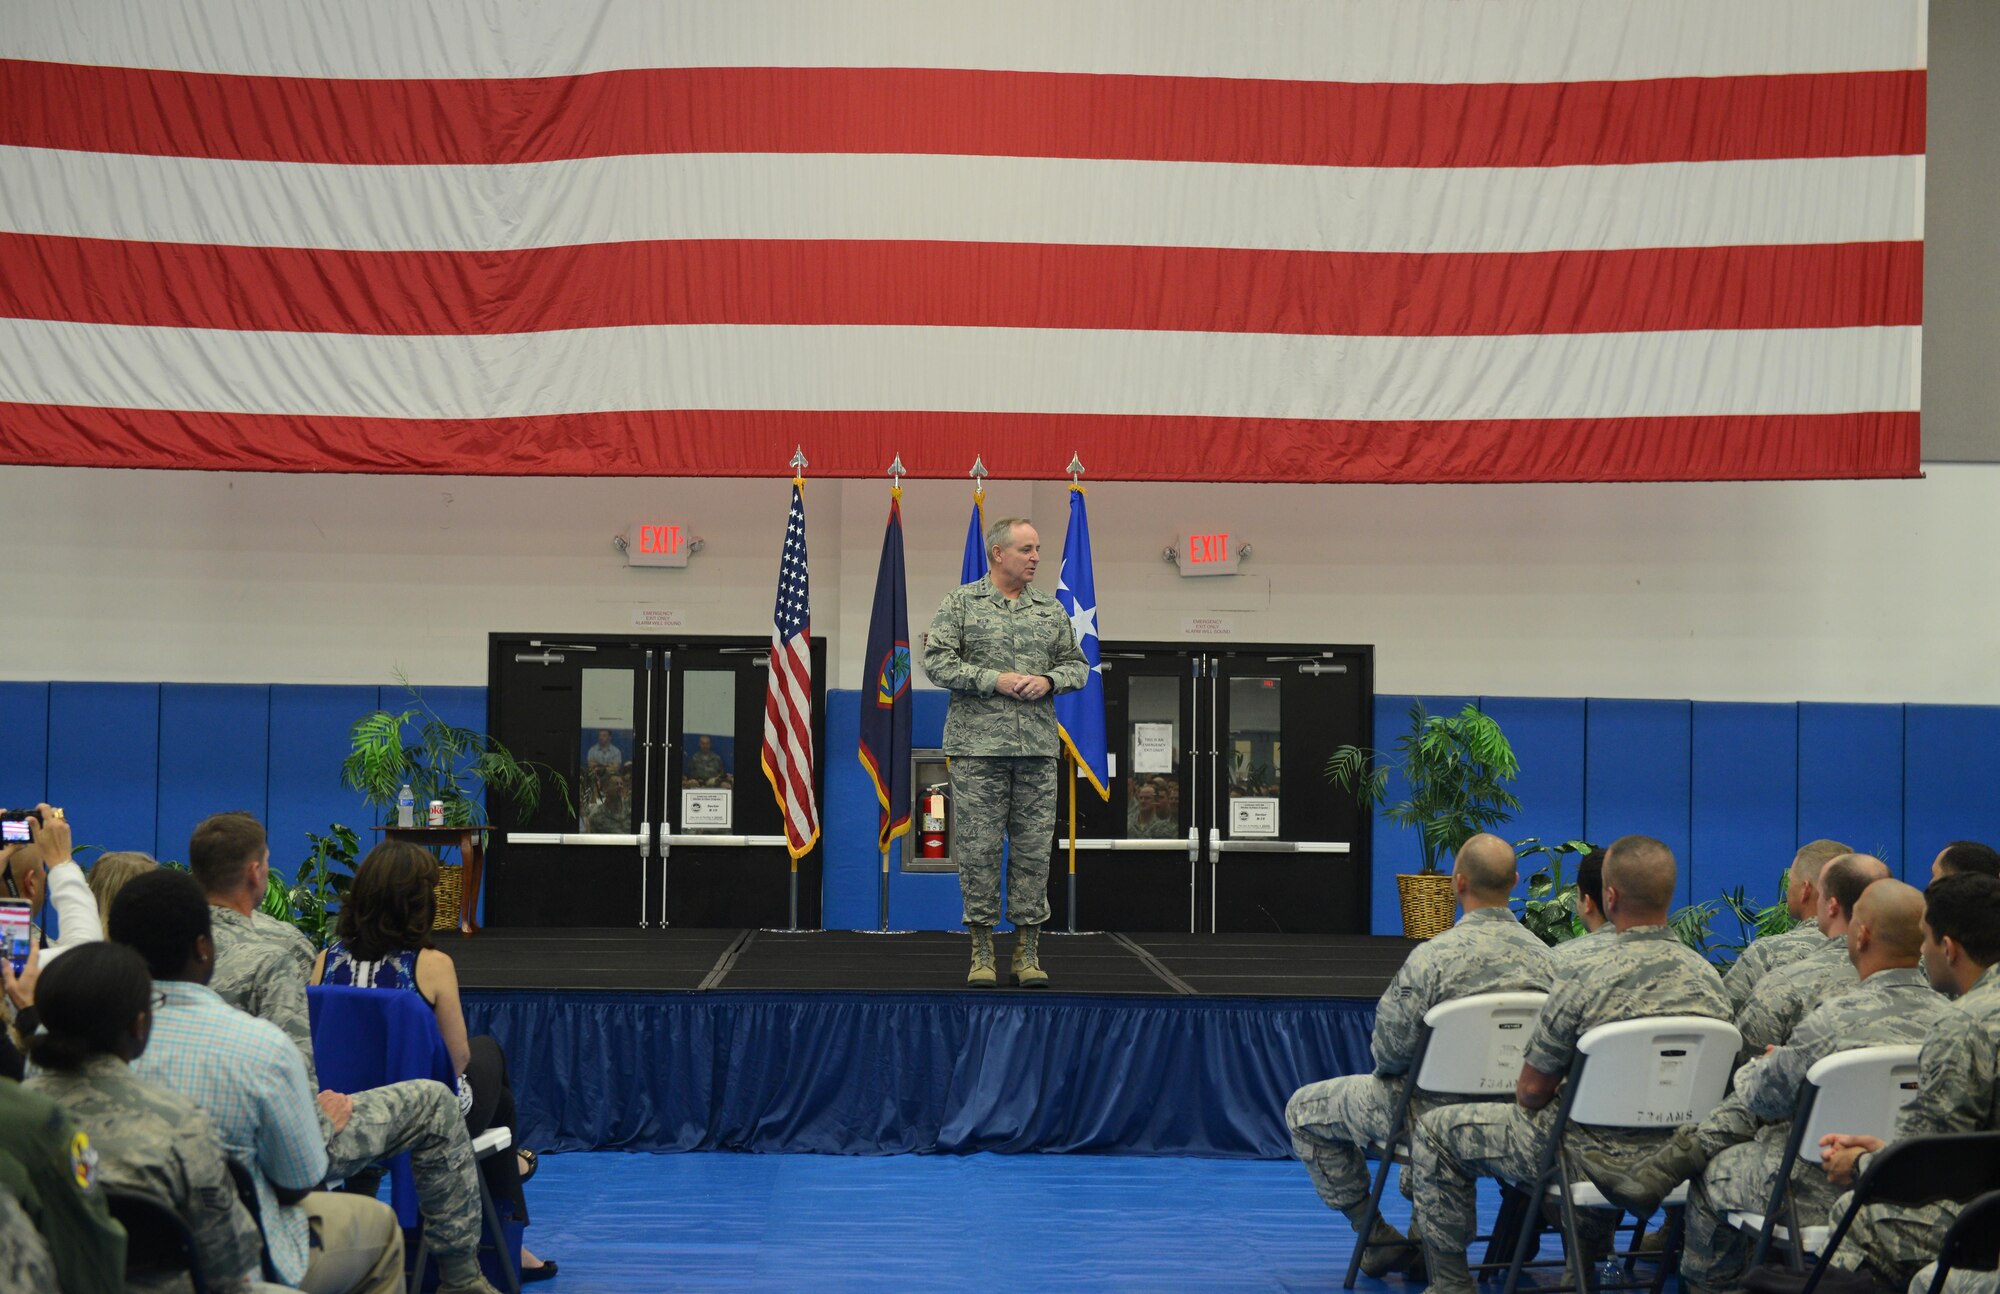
669 820
1220 818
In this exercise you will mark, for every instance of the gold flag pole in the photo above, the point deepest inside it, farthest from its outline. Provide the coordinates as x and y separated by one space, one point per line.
1069 767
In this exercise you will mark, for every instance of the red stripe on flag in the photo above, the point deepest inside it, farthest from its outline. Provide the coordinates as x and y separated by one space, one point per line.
1007 285
990 113
728 442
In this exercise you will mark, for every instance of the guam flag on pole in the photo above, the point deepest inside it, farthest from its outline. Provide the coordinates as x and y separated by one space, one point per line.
1081 713
885 688
973 567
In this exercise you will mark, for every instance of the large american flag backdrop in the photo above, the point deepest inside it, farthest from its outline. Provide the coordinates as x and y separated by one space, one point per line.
1292 240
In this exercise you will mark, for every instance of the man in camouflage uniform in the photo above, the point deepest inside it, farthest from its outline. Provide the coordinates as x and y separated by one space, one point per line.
1004 648
1961 856
1958 1078
1645 972
1737 1151
149 1139
1775 951
261 968
1781 999
1598 930
1334 1121
48 1171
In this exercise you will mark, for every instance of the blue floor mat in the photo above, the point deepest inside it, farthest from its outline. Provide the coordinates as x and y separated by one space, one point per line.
993 1223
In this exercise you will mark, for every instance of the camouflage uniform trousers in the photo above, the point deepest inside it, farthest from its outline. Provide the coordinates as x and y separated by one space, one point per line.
1332 1124
1891 1242
1012 796
420 1117
1956 1281
1739 1179
1456 1145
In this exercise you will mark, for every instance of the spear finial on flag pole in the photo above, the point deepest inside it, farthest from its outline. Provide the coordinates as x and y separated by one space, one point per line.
799 465
978 475
896 474
1075 469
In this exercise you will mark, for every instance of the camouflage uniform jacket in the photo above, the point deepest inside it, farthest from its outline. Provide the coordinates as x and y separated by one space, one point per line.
1645 971
1571 950
977 635
1783 997
1770 953
261 968
22 1249
155 1140
1890 1008
1958 1075
49 1167
1488 951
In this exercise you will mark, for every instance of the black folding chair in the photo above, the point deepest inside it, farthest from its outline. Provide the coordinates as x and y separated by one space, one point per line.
158 1241
1973 1242
246 1191
1916 1171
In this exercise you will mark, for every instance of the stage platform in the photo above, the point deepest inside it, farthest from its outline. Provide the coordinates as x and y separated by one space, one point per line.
843 1042
1109 963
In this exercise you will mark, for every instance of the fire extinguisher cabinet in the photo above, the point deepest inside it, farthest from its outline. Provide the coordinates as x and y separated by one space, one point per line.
931 842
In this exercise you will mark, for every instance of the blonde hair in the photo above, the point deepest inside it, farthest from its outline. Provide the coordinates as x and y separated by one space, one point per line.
109 874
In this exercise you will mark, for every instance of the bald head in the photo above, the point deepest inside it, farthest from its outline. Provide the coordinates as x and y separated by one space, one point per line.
1639 877
1887 929
1485 864
30 877
1841 883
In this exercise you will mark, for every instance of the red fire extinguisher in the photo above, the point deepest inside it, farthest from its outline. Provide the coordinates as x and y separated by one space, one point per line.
932 840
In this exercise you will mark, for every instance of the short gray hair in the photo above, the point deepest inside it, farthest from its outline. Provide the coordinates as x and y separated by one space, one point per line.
1001 533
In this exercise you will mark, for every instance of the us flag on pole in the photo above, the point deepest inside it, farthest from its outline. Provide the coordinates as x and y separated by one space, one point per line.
788 744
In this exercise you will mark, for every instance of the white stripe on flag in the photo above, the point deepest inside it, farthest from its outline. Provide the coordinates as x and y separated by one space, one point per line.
1583 375
956 198
1370 40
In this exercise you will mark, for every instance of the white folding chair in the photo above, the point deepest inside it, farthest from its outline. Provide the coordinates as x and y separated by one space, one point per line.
1859 1092
1470 1049
1656 1072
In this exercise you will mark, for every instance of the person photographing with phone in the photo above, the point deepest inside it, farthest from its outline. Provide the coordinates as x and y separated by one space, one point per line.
36 870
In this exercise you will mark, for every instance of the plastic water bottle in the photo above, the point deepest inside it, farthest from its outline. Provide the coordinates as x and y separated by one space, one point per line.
1609 1274
406 807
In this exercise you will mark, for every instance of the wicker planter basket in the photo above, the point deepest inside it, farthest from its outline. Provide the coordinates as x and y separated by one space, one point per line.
450 887
1428 906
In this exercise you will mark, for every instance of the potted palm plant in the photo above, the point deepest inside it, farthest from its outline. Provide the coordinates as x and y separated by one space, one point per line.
1456 768
442 762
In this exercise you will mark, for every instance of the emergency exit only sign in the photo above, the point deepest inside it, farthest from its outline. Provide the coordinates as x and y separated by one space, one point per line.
657 543
1206 552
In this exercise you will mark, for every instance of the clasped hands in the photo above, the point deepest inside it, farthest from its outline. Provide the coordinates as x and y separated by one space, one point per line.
1023 687
1840 1152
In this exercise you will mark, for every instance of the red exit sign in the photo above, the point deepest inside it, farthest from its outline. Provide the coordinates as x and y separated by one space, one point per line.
657 543
1207 552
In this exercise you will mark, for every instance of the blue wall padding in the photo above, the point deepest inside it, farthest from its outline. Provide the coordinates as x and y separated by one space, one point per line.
1547 734
214 757
1851 776
1746 811
1733 788
310 736
1636 774
870 1074
849 818
1397 849
24 744
104 761
1949 781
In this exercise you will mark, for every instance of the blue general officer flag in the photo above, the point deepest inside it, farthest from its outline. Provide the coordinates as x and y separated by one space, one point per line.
885 689
972 568
1081 713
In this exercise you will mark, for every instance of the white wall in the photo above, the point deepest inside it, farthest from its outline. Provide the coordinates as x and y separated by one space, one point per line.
1876 591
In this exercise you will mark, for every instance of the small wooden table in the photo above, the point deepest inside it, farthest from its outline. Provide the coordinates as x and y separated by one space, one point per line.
471 876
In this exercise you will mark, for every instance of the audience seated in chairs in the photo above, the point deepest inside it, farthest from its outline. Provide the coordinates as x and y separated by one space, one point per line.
248 1079
260 967
96 1010
383 940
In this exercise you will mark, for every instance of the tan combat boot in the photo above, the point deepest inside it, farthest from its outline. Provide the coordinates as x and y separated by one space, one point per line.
1027 966
982 974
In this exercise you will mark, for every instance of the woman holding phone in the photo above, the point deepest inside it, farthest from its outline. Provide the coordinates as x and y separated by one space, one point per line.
383 940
